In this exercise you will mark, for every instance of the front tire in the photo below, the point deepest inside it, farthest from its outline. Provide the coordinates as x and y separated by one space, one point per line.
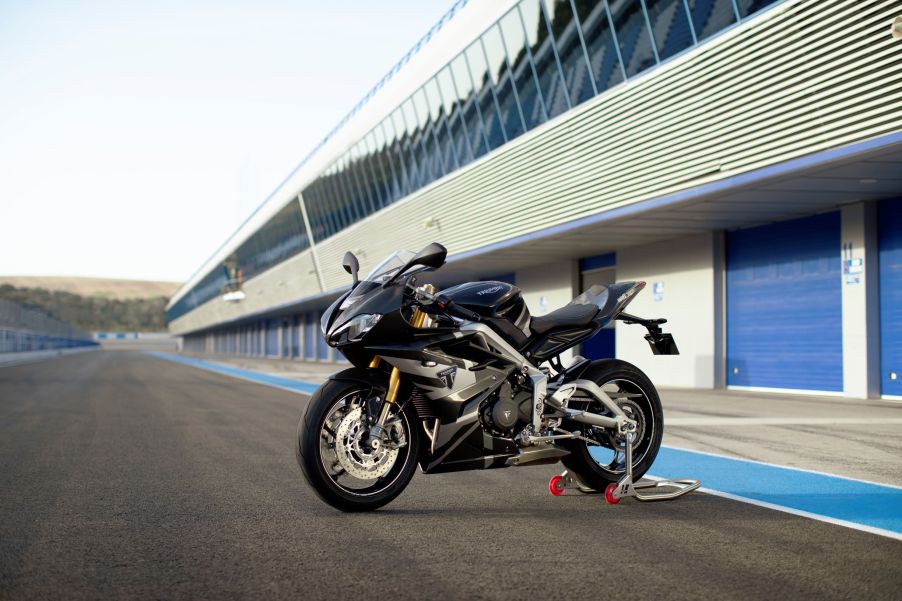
599 465
341 470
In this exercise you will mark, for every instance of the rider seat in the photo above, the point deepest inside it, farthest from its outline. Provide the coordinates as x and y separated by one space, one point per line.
568 316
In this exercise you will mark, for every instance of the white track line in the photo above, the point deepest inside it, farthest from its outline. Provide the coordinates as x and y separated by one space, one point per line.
781 421
805 514
791 510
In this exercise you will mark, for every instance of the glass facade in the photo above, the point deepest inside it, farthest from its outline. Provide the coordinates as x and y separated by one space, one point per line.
540 59
670 26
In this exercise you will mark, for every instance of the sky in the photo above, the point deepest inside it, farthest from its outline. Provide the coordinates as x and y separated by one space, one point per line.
136 136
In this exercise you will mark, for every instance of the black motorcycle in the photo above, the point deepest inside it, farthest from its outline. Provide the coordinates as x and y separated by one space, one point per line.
465 379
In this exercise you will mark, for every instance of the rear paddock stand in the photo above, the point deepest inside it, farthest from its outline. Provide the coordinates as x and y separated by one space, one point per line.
655 490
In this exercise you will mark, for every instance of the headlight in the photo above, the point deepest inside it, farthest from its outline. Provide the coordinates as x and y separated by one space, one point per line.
359 325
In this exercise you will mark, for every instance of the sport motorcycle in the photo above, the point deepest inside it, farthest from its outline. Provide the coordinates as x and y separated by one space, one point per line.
465 378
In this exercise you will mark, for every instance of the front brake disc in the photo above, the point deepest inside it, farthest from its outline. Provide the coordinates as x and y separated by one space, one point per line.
354 457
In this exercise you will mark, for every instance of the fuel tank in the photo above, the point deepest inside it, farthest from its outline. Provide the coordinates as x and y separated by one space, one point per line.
499 303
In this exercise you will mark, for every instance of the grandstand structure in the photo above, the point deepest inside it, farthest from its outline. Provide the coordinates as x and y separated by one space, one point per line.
744 157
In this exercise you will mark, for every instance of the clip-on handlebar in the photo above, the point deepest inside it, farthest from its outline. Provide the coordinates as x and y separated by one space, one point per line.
445 304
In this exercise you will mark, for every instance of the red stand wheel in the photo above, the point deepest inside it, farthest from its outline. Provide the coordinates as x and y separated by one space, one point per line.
556 486
609 493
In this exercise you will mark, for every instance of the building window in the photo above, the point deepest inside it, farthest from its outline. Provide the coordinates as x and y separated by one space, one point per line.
601 44
571 53
485 93
750 7
670 26
463 86
632 36
518 58
496 58
544 57
711 16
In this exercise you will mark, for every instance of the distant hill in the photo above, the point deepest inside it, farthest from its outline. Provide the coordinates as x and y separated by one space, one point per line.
94 304
102 287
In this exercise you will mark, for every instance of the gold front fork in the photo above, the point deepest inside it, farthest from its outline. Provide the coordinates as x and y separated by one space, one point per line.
419 319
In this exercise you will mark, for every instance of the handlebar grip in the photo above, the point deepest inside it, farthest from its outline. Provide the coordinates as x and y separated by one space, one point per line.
453 308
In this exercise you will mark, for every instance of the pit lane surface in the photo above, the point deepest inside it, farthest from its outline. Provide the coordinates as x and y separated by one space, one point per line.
127 476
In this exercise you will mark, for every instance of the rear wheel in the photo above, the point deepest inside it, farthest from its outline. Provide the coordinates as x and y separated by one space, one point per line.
598 465
334 455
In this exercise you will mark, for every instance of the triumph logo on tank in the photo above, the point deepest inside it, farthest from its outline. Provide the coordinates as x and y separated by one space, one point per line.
447 377
490 290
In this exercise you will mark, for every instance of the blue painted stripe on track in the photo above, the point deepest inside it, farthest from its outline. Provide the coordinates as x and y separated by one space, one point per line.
836 498
245 374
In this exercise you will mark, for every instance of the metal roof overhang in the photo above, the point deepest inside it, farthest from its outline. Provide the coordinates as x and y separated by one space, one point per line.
868 170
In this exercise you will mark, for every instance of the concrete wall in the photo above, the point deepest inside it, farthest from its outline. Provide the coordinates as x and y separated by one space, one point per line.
685 268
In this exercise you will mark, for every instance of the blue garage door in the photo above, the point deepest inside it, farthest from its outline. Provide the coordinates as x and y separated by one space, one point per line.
296 336
272 338
310 337
891 297
784 305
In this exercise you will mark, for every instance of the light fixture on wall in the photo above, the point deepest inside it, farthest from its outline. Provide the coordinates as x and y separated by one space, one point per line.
896 29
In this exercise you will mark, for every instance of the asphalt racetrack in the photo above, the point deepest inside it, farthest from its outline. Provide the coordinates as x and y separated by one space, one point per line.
127 476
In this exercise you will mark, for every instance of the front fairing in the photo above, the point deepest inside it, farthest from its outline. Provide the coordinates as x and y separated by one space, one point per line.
364 299
326 321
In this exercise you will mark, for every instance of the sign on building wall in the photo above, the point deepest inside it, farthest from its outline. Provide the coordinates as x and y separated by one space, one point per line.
657 291
852 270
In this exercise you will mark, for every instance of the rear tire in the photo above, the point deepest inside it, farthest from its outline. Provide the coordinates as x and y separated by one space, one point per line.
322 471
645 409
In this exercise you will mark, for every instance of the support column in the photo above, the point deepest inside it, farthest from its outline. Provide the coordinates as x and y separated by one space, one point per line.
719 262
860 302
316 267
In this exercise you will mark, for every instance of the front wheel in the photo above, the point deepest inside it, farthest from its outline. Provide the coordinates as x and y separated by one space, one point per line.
334 455
598 465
